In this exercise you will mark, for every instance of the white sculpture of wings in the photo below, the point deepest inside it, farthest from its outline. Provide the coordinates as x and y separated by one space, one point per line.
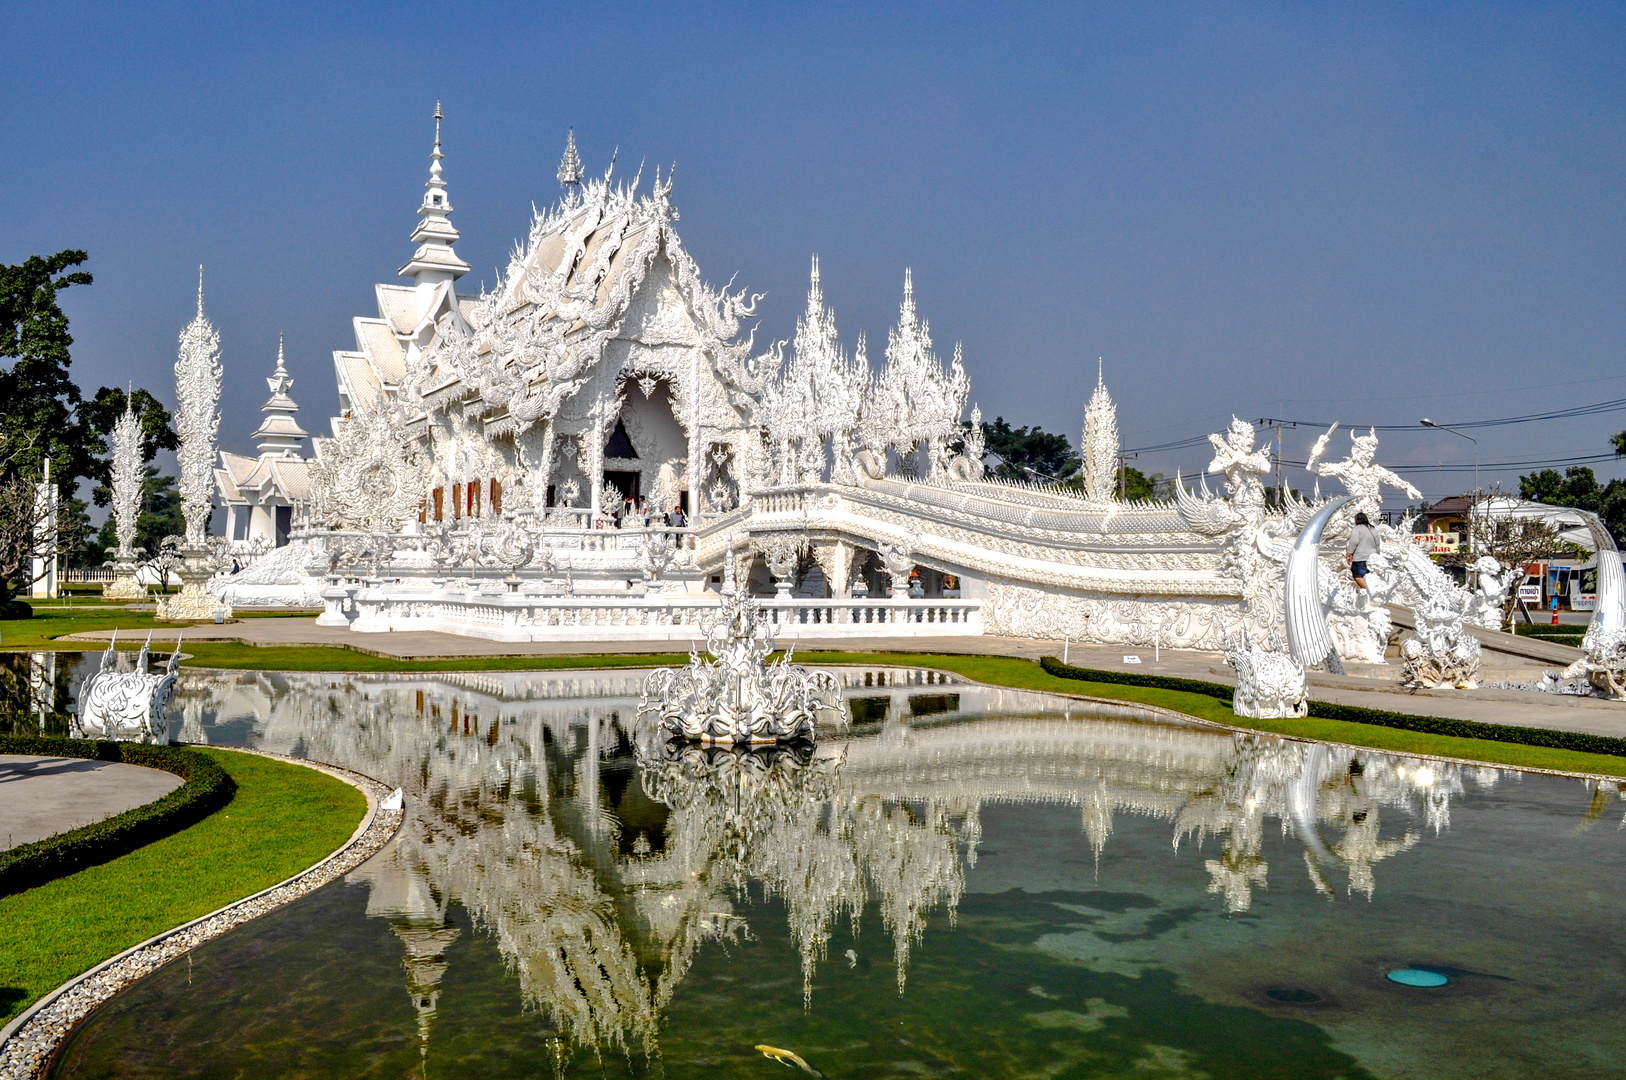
1206 515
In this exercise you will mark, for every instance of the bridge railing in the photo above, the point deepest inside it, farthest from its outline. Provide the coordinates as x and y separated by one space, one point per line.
492 611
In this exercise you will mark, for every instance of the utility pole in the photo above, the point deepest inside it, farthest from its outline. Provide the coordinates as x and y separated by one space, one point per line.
1281 497
1473 500
1123 468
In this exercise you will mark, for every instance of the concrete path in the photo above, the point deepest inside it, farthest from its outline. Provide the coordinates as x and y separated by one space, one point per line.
1370 685
42 796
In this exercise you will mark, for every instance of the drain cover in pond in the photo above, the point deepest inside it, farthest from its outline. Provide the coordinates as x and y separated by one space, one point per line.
1293 996
1417 977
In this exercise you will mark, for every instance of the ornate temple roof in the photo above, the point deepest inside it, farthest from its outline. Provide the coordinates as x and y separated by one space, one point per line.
528 345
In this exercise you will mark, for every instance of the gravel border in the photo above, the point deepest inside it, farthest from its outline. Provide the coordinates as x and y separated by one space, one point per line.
29 1041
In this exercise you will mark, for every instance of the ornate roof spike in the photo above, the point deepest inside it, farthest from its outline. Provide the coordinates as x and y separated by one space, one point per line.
570 166
434 260
435 155
200 290
908 309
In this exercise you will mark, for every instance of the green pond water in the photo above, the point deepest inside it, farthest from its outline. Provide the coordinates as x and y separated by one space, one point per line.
968 882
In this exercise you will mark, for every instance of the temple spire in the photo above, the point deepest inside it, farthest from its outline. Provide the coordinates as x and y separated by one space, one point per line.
280 434
435 261
570 169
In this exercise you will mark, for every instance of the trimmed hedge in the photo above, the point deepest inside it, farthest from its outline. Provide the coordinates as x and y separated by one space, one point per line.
1356 714
205 788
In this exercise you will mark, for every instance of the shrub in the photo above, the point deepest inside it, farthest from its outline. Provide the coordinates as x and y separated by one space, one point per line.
205 789
16 609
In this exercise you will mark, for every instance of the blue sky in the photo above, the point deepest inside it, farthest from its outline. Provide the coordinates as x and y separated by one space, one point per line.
1359 212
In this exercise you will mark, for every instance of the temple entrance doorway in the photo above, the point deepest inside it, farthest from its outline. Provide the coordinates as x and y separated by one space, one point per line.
626 482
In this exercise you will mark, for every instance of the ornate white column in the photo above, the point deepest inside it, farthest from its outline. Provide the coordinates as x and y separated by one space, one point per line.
126 483
197 422
44 564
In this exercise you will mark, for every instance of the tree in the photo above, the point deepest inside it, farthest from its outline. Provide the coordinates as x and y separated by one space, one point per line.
1030 454
39 403
1513 542
43 415
1134 484
1578 487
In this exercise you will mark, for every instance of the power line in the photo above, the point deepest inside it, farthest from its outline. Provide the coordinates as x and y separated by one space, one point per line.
1580 459
1594 409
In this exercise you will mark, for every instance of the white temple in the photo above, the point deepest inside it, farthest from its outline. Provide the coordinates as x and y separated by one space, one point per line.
574 455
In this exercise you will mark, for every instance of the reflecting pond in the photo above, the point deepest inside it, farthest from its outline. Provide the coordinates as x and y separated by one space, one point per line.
968 882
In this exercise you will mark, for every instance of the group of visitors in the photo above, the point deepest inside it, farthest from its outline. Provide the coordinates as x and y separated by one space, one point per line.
631 513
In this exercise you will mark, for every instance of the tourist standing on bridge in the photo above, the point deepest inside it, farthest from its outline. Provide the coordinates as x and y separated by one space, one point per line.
1361 546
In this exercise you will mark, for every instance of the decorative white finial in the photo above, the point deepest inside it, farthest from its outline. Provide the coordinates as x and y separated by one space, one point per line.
434 160
200 290
281 368
570 166
1100 444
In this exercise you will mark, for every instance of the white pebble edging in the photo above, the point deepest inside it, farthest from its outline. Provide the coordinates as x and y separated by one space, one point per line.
27 1043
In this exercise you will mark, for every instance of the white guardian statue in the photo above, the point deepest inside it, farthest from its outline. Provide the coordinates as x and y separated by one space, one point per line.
127 706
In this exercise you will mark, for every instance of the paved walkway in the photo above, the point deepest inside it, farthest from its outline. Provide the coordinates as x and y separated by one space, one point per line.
42 796
1370 685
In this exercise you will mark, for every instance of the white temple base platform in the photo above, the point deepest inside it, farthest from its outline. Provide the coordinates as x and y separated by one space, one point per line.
514 616
124 588
194 603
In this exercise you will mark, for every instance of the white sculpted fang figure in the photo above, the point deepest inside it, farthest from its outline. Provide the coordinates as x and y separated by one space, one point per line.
1604 665
737 697
127 706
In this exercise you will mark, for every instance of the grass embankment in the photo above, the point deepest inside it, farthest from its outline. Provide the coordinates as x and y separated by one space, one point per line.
1000 671
48 624
283 818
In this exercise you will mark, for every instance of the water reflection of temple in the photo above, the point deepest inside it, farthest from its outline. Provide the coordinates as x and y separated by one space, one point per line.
599 879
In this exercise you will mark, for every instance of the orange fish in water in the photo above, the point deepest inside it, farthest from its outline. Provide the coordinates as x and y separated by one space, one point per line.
787 1059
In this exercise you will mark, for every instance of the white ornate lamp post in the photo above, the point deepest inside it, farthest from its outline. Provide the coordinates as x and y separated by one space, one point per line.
197 420
126 505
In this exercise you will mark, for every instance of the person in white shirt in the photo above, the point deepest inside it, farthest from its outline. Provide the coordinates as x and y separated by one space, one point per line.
1361 546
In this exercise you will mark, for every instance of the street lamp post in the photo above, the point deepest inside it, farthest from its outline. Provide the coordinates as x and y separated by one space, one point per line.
1473 502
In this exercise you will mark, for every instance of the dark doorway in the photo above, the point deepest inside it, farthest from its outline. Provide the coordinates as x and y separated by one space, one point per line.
625 482
285 524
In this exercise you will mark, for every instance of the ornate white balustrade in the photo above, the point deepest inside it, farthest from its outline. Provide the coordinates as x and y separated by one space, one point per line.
491 611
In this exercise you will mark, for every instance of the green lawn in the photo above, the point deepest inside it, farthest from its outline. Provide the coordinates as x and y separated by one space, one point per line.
283 818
